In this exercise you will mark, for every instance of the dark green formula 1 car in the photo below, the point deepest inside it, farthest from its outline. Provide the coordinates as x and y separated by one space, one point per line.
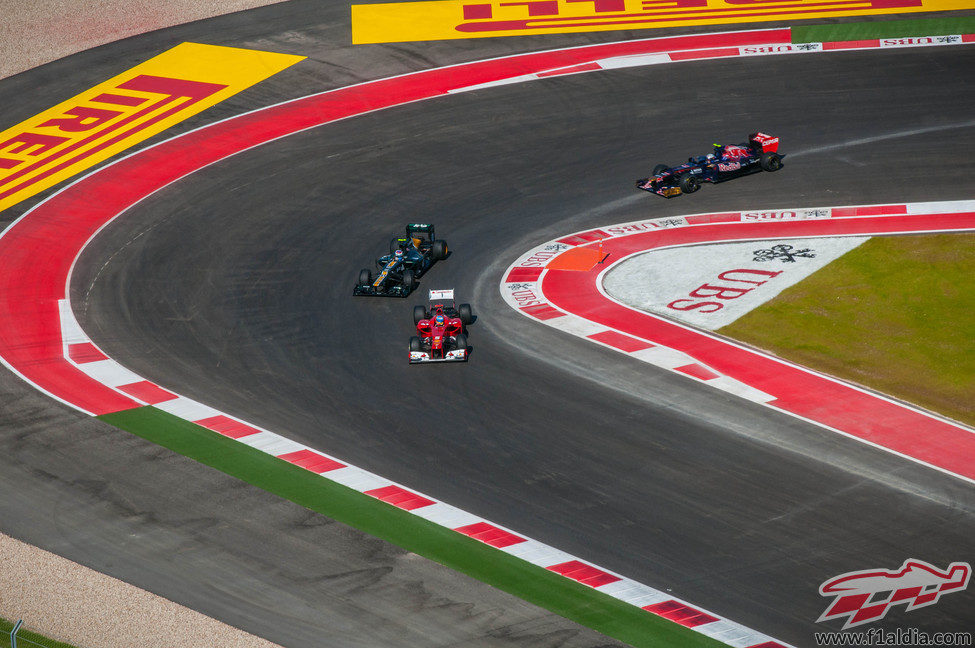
409 257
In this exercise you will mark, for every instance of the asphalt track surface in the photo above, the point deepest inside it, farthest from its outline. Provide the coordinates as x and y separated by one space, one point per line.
234 287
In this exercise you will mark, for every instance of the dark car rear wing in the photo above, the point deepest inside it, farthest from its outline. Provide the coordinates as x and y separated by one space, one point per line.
420 228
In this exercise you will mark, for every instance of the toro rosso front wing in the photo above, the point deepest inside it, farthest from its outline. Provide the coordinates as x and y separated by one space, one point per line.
457 355
655 185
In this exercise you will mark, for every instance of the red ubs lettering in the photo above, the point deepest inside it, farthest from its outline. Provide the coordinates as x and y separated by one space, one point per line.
539 258
639 227
766 49
769 215
705 293
525 298
908 41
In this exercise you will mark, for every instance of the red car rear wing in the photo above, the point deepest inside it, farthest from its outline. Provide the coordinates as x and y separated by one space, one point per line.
766 143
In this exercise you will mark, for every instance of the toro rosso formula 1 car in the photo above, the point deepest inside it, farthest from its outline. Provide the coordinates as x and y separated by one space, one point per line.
409 257
760 153
441 330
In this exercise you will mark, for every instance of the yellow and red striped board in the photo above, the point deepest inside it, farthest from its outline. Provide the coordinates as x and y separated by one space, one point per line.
450 19
123 111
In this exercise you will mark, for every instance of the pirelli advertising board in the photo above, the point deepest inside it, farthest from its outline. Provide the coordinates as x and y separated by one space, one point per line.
76 134
449 19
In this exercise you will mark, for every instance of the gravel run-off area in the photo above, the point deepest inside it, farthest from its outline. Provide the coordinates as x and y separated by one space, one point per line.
29 36
68 602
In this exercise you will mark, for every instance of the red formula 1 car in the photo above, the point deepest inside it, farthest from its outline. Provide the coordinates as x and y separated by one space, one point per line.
441 330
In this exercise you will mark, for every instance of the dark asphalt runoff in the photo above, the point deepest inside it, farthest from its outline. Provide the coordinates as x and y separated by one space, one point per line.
233 287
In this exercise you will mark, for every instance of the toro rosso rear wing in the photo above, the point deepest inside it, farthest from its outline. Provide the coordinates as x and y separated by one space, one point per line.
763 142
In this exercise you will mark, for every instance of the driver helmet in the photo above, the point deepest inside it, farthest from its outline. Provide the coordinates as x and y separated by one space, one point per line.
399 255
439 320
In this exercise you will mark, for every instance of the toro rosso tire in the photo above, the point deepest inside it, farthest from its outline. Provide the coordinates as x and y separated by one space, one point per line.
660 168
365 277
771 161
439 250
465 313
689 184
420 313
409 280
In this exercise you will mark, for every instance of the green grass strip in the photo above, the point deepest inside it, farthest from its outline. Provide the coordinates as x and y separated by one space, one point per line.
894 314
883 29
536 585
32 638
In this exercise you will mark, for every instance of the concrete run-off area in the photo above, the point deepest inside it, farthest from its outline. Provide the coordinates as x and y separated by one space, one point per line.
713 285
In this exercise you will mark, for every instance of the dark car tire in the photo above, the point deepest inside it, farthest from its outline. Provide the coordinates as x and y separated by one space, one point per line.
415 344
439 250
689 184
365 277
771 161
409 280
660 168
420 313
465 313
460 342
